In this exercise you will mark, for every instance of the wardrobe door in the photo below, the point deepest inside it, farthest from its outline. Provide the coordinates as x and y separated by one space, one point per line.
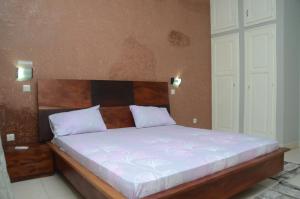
224 15
260 81
225 83
258 11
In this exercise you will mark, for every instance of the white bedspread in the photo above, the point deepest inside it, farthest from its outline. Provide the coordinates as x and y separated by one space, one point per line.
140 162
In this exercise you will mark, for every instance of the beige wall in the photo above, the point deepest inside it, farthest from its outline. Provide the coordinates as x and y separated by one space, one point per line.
105 39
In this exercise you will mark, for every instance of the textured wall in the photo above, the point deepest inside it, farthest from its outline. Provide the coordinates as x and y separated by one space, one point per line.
105 39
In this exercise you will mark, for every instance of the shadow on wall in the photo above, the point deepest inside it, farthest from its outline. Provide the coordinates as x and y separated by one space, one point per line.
178 39
134 55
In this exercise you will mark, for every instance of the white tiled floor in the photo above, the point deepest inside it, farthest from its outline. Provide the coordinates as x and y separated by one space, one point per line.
293 156
290 156
54 187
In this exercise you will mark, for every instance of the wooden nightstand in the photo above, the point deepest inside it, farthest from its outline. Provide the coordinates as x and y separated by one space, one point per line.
37 161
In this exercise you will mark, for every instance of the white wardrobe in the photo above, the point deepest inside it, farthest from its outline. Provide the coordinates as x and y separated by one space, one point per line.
225 82
248 96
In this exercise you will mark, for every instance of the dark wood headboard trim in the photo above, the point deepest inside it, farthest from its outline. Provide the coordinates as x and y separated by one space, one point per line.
114 97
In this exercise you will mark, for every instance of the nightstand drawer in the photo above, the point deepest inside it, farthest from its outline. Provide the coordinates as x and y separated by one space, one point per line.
34 162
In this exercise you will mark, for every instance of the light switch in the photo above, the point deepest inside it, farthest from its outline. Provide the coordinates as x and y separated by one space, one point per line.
26 88
173 91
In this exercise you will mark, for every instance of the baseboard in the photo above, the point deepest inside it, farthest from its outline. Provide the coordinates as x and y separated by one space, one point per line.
292 145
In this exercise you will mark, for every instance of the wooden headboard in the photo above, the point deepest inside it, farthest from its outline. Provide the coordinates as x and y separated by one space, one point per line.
114 97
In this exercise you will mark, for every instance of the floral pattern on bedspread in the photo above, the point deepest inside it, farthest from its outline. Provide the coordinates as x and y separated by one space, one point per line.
140 162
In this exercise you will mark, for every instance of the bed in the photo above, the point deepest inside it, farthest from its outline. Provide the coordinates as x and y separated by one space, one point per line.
157 162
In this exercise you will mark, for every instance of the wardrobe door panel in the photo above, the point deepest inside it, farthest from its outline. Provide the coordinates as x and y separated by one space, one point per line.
224 15
258 11
260 81
225 81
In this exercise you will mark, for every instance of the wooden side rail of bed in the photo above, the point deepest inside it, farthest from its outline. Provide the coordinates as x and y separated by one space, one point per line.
223 184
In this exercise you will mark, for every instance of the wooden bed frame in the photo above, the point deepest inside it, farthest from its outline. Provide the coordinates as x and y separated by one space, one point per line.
114 97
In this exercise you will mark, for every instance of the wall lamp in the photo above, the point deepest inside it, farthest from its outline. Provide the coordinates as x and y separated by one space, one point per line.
175 81
24 70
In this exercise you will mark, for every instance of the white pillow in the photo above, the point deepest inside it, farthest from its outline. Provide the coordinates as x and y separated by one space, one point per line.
148 116
74 122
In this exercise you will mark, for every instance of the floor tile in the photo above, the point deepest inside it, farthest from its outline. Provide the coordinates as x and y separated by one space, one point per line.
293 156
251 193
32 189
295 181
56 187
268 182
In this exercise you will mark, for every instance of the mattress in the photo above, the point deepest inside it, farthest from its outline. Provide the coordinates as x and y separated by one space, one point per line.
141 162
